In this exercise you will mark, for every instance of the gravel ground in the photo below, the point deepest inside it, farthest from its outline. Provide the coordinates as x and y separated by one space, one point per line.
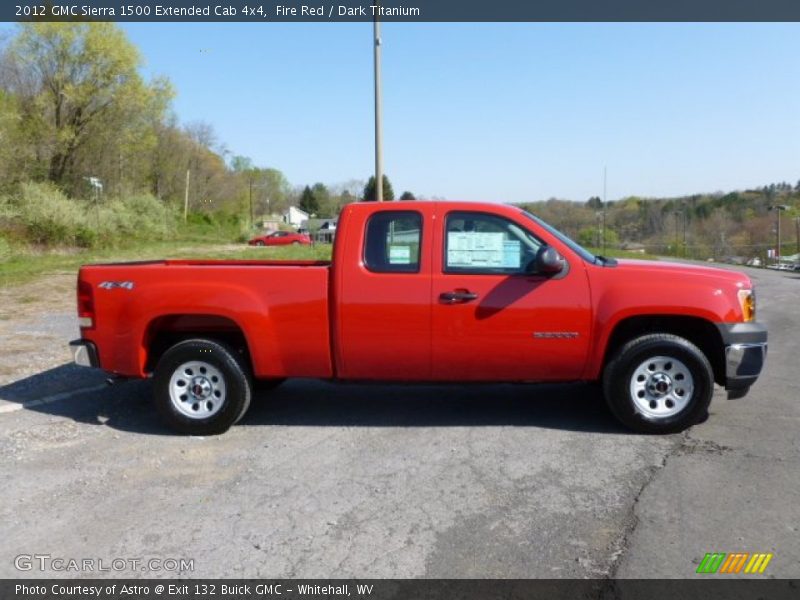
323 480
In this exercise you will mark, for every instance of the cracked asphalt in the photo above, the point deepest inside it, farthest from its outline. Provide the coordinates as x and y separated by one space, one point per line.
323 480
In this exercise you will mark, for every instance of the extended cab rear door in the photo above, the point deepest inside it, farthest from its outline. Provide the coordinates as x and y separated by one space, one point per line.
492 321
382 293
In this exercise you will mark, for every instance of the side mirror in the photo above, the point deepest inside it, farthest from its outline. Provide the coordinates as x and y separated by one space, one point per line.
548 261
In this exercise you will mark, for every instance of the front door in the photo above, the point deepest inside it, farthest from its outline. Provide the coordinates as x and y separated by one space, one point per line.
494 320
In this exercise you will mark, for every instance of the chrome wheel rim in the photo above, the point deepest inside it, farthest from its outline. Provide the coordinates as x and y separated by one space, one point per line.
661 387
197 389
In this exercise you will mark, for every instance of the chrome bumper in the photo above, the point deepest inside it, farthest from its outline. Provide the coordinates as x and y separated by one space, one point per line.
745 353
744 360
84 353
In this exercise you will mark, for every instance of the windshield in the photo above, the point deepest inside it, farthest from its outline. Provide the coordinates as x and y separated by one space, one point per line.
574 246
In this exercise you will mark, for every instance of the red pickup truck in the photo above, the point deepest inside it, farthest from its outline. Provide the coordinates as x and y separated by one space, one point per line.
426 292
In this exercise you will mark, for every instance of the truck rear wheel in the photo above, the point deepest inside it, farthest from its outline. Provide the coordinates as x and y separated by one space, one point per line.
201 387
659 383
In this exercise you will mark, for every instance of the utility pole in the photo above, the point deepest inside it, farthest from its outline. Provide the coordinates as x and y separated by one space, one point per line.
605 180
599 217
683 207
378 137
186 198
252 217
797 232
677 214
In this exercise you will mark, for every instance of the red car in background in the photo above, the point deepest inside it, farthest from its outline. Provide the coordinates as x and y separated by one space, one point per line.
280 238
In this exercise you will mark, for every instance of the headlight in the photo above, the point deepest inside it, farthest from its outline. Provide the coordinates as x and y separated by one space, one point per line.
747 300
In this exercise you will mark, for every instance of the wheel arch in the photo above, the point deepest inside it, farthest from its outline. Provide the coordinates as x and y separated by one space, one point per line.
700 332
165 331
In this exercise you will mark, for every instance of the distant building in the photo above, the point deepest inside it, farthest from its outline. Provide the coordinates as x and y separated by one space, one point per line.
295 217
320 230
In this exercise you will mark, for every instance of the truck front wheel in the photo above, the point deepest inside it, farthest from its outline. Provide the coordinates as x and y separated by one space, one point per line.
201 387
659 383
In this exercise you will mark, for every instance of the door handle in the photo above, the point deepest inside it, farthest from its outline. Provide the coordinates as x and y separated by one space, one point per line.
458 296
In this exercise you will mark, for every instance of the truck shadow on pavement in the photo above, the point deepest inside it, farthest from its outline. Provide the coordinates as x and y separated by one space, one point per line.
81 395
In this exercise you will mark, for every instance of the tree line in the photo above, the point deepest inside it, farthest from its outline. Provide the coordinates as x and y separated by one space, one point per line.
76 113
89 146
719 225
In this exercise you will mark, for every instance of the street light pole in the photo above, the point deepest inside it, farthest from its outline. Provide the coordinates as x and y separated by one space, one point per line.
677 214
778 208
378 137
605 179
797 232
683 208
252 216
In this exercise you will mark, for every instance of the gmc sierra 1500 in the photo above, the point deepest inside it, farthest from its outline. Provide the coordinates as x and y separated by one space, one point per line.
426 292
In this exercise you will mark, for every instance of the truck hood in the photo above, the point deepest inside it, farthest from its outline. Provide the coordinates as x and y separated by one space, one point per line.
652 267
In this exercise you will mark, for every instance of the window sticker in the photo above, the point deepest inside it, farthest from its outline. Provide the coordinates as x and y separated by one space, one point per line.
512 254
399 255
473 249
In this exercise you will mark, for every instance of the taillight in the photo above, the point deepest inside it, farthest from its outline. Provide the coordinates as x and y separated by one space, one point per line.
85 305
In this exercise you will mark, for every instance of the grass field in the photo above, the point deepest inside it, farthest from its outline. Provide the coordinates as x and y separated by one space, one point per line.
23 268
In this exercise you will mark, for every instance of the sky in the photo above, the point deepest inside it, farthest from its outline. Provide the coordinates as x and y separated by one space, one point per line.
506 112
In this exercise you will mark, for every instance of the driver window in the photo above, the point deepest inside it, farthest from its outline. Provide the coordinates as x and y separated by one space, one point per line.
484 243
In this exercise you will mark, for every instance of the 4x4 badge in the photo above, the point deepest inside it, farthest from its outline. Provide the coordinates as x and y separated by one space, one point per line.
110 285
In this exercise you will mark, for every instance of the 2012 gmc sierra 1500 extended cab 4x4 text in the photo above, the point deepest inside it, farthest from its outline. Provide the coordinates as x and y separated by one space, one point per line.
426 292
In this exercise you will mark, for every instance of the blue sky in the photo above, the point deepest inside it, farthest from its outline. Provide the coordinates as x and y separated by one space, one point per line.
505 112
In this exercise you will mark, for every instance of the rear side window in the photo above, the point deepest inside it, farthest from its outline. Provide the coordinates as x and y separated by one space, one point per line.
392 242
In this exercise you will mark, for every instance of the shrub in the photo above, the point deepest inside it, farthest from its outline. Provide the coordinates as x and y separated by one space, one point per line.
5 250
86 238
146 216
48 215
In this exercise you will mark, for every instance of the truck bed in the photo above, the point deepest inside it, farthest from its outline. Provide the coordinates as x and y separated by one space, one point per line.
280 308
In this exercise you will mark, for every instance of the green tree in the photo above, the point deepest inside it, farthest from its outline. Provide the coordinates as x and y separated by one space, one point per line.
407 196
371 192
327 204
241 164
274 190
82 90
15 153
594 203
308 201
590 236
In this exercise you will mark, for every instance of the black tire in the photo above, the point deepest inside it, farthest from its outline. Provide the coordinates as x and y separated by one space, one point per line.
295 243
631 361
229 373
260 243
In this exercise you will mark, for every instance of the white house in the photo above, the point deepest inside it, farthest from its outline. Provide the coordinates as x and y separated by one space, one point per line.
295 217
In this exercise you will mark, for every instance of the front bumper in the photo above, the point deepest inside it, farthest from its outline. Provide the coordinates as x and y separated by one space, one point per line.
745 353
84 353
